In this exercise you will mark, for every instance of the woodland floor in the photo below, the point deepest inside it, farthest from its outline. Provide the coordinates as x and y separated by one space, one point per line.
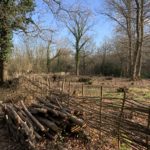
140 90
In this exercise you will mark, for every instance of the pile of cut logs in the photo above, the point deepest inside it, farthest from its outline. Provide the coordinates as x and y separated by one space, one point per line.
44 119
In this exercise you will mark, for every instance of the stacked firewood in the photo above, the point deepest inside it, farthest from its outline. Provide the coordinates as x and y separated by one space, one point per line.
45 119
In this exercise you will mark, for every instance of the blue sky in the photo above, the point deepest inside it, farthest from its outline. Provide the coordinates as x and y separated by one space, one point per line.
102 29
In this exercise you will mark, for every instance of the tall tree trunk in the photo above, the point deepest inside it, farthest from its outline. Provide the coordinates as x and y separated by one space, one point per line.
5 45
1 72
129 32
58 64
48 62
84 65
48 58
139 66
77 59
130 62
137 47
103 61
141 39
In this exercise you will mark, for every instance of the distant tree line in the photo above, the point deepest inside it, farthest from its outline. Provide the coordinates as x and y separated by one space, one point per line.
109 59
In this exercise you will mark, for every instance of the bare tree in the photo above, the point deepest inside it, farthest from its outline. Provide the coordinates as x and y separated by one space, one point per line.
105 48
121 12
77 23
87 51
139 39
130 16
51 58
120 45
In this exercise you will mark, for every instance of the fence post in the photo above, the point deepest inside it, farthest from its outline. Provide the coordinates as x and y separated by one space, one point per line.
69 95
82 90
148 126
41 87
34 78
69 87
37 87
33 86
100 113
62 86
49 82
47 86
120 116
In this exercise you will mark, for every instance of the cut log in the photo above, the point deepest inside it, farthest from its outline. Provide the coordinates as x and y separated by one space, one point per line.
23 124
55 112
49 124
38 124
53 106
45 119
38 110
20 129
76 120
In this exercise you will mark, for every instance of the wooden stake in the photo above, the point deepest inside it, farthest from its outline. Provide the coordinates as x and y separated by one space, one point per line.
47 86
82 90
69 87
148 126
34 80
41 87
100 113
62 86
49 83
120 117
38 85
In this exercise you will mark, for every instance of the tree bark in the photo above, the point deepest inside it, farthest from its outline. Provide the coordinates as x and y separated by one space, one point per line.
139 66
84 63
129 32
38 124
137 47
130 62
103 61
48 58
77 58
1 71
141 39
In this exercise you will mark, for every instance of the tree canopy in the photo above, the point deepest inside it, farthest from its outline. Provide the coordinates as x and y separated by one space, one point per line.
14 15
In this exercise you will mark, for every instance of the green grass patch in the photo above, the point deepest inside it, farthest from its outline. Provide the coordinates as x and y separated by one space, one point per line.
113 95
125 147
140 94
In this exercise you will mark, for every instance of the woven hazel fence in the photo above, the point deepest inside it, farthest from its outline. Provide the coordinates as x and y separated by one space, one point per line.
120 117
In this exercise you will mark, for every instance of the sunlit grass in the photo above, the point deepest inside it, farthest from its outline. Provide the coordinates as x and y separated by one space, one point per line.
125 147
113 95
140 94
